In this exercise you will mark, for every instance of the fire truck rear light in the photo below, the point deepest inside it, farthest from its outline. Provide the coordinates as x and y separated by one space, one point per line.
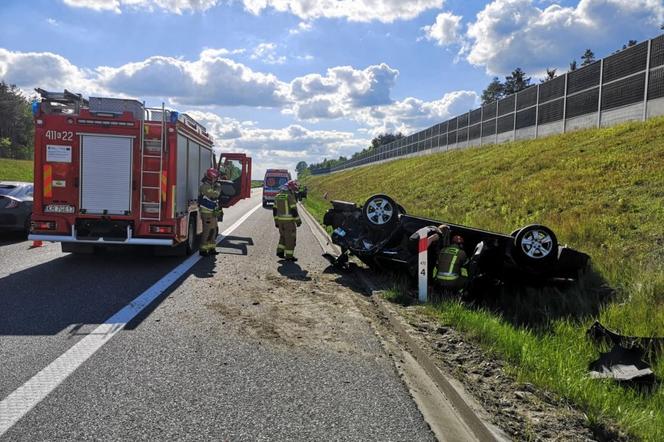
161 229
59 208
43 225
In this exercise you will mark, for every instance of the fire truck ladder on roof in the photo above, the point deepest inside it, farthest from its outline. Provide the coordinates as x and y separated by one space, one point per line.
152 163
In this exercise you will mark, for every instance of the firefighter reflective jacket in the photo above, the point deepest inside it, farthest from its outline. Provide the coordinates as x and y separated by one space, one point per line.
285 207
208 196
451 269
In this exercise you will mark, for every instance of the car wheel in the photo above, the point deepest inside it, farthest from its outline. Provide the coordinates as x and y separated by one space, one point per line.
380 212
192 239
515 233
536 244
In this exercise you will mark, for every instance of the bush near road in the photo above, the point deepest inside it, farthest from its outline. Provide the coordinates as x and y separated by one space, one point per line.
602 192
16 170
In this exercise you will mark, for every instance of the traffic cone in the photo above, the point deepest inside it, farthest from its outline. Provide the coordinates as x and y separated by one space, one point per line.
36 243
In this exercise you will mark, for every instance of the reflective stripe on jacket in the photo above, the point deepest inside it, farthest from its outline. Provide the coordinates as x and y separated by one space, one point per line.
208 195
285 207
451 264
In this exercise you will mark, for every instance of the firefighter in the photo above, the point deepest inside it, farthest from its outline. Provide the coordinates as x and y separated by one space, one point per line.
208 205
451 272
286 219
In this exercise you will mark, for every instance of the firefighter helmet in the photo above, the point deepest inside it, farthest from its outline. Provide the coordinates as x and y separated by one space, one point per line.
457 239
212 174
293 185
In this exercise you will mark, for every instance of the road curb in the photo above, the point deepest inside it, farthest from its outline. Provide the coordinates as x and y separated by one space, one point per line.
465 412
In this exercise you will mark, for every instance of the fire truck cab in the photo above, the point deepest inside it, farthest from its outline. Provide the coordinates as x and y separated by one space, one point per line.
109 171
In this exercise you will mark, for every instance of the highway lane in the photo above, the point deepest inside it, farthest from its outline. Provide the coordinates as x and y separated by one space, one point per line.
243 348
49 300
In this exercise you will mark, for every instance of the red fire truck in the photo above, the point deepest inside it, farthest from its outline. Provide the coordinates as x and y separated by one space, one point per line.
109 171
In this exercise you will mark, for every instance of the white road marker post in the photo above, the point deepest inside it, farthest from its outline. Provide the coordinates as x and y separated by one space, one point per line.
423 263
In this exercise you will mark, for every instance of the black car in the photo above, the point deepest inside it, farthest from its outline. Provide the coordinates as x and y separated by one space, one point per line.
15 206
381 234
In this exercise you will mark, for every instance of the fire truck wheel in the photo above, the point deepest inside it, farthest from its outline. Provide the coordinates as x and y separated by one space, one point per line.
191 245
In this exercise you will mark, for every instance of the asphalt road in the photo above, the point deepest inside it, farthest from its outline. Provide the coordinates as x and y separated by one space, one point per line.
242 347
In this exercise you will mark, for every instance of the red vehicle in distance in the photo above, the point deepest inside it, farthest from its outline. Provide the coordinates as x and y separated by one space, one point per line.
274 178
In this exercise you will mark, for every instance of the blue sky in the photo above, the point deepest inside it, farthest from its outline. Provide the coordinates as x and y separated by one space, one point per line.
291 80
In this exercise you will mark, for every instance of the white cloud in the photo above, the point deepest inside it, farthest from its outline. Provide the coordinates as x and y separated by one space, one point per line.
364 96
446 30
412 114
277 148
117 6
511 33
267 53
42 69
303 26
210 80
386 11
341 90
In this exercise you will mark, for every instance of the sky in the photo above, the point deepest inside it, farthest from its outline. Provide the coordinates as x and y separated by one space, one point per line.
303 80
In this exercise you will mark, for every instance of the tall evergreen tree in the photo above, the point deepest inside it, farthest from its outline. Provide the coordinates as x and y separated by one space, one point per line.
587 57
493 92
516 82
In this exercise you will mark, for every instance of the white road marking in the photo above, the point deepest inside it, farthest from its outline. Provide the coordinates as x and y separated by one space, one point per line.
27 396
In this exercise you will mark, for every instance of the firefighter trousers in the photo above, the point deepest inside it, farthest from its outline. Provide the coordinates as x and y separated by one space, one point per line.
209 236
287 238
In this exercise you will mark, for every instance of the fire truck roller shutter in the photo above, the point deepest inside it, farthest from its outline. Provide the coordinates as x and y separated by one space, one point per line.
106 163
193 169
181 188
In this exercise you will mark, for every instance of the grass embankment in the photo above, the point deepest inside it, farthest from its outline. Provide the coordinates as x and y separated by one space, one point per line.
16 170
256 183
602 192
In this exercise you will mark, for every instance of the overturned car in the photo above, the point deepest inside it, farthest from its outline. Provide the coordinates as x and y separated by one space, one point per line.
381 234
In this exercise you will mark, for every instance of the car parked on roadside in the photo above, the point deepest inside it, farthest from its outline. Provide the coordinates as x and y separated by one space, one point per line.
382 235
15 206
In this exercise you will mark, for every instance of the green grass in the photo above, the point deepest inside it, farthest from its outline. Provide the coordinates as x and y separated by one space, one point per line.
602 192
256 183
16 170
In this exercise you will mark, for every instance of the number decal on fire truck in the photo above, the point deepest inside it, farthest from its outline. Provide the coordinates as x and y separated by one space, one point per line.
64 135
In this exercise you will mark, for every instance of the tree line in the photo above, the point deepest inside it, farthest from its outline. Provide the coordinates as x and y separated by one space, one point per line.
16 125
303 169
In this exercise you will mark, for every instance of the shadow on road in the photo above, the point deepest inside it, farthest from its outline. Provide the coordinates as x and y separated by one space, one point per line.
292 270
75 290
7 238
239 243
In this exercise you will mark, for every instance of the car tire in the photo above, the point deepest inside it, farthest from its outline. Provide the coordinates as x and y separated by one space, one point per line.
27 224
515 233
380 212
191 244
536 245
